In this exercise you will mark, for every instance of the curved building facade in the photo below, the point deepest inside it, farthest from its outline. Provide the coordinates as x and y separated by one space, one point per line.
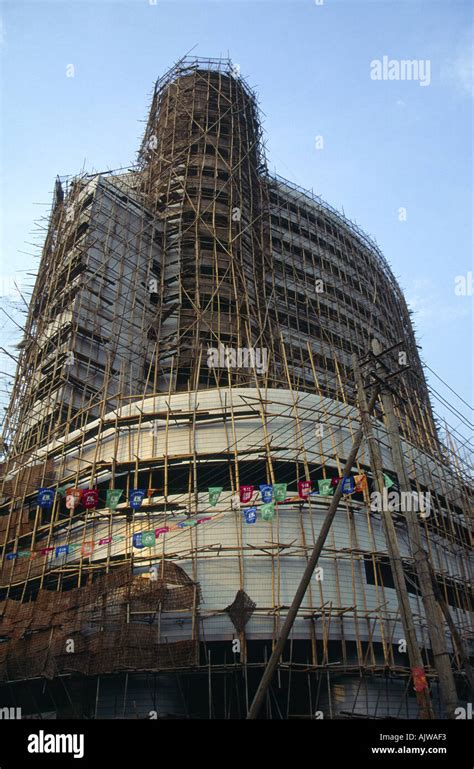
191 334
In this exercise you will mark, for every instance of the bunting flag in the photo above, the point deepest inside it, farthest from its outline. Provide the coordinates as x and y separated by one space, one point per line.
348 485
326 489
89 498
388 481
136 498
140 539
279 491
419 679
214 494
270 493
304 488
360 483
267 511
148 538
246 493
266 492
73 497
45 497
113 497
250 514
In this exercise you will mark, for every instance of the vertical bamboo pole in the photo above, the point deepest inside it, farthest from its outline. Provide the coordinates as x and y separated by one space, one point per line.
414 654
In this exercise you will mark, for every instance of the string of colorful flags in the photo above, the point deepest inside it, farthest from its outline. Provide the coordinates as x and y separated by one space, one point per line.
140 540
270 494
276 492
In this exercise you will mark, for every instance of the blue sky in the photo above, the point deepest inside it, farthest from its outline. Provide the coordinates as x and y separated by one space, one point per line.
387 144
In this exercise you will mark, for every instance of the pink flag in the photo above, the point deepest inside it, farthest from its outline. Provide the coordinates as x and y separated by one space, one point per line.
246 493
89 498
304 488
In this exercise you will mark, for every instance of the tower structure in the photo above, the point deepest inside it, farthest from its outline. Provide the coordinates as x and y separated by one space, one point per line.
191 328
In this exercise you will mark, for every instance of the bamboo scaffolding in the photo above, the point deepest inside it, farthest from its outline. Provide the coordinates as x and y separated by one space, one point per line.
235 256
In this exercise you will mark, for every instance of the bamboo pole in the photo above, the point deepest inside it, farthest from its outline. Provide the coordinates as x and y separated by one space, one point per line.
435 626
414 653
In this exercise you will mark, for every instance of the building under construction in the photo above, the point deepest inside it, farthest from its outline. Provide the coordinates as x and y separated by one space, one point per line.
198 324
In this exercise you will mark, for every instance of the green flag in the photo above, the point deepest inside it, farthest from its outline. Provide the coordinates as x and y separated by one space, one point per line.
24 553
214 494
148 538
61 490
113 498
387 481
279 492
267 511
325 488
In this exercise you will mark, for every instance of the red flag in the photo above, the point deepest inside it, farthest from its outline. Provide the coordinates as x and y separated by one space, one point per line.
304 488
246 493
89 498
336 479
87 548
419 679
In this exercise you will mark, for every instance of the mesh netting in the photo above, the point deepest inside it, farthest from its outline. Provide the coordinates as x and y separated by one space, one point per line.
108 626
240 610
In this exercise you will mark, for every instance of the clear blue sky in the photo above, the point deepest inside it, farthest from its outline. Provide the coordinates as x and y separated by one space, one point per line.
387 144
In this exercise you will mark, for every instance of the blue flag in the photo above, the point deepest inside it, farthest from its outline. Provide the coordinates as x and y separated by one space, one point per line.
45 497
348 485
136 498
137 540
62 550
250 514
267 492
